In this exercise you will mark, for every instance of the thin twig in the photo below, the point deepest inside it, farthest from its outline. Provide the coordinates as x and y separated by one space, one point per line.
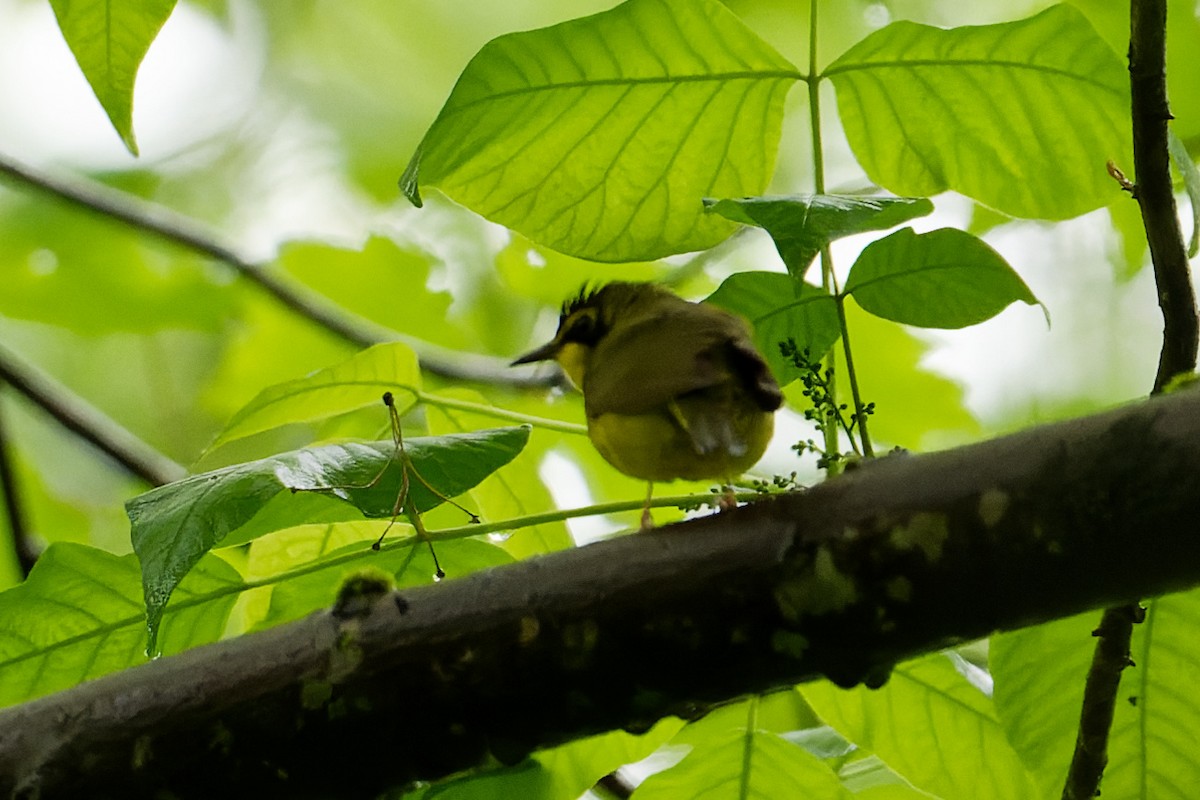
1100 700
1181 332
1155 193
24 548
185 232
86 421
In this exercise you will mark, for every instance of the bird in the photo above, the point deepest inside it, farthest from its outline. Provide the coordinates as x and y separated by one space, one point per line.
671 389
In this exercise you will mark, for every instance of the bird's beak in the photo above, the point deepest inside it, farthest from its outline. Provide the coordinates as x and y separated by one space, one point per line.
544 353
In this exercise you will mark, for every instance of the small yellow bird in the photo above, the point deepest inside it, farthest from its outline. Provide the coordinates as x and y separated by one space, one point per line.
671 389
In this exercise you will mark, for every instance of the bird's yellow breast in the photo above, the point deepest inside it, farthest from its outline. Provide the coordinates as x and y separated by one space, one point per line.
573 358
654 447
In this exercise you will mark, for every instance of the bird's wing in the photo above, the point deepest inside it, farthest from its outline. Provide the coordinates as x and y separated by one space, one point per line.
644 366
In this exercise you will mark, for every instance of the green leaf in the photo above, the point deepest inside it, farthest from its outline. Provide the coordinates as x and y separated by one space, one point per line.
352 384
801 225
1191 184
79 615
780 308
109 40
1021 116
174 525
599 136
870 779
744 764
942 279
929 707
562 772
1040 673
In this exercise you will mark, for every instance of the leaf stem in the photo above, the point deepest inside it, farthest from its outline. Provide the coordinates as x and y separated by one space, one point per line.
860 416
814 101
828 279
831 435
438 401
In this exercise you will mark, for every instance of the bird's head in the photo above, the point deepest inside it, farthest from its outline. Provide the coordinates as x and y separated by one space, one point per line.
587 318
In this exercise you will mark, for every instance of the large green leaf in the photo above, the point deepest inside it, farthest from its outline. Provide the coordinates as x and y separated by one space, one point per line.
174 525
109 40
357 382
801 225
1040 672
79 615
599 136
780 308
928 708
942 279
1021 116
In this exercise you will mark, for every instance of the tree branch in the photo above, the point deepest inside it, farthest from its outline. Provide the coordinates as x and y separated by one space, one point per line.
169 226
1155 191
898 557
1181 332
86 421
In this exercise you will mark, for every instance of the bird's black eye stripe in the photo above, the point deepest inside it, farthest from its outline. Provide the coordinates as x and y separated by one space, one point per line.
584 328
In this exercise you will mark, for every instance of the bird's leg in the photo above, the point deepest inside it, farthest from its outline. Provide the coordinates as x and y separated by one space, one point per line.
728 500
647 520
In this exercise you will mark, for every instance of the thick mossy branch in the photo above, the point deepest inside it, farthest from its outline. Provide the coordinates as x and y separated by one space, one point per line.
902 556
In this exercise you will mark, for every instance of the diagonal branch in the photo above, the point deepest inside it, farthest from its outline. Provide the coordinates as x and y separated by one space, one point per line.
1181 330
86 421
165 224
896 558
